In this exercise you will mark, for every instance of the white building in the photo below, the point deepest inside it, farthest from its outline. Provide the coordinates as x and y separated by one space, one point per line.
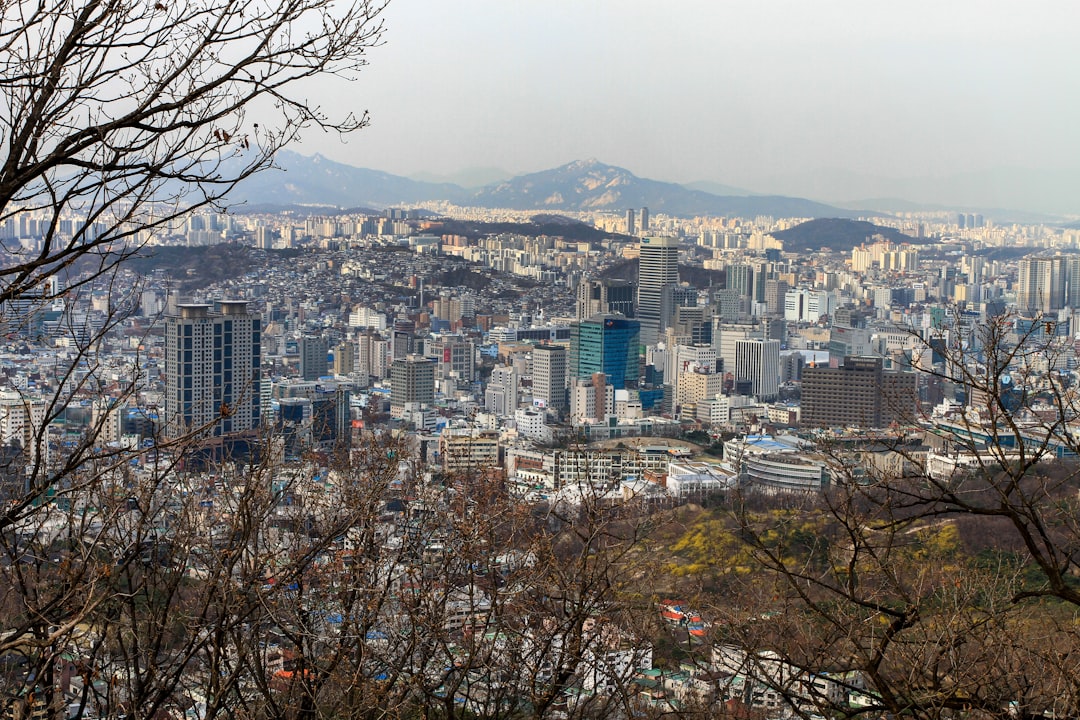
758 361
364 317
687 481
530 423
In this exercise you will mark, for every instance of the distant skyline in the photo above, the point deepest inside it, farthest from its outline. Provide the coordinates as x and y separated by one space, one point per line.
776 96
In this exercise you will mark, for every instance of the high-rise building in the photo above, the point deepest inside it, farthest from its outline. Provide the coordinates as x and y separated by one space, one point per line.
372 355
644 219
412 383
501 396
212 369
1048 284
344 358
630 228
313 361
605 296
858 393
726 337
689 358
549 376
775 290
23 433
605 344
455 358
758 361
658 269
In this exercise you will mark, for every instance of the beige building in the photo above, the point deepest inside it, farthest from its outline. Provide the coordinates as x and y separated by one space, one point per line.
469 450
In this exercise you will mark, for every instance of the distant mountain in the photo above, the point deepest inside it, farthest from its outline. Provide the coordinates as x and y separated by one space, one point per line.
591 185
577 186
715 188
837 234
300 179
474 178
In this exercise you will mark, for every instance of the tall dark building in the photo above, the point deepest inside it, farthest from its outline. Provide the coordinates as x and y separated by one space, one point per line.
313 357
859 393
212 366
644 219
630 228
605 296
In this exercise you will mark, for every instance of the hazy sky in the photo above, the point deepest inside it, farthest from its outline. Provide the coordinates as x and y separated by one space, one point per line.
736 92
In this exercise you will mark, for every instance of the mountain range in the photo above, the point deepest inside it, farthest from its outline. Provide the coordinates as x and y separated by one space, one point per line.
584 185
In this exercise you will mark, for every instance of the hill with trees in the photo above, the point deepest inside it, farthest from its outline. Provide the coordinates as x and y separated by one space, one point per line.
837 235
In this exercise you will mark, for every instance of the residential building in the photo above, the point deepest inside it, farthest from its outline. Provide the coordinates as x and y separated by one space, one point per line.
212 369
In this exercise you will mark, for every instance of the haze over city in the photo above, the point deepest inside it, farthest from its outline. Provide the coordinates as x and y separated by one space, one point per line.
831 100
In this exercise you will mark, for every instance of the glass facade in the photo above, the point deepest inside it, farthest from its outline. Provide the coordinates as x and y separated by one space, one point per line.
606 344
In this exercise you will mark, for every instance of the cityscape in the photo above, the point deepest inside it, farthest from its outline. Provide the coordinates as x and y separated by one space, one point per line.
285 437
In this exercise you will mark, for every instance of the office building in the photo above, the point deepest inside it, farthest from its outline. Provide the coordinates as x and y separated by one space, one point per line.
313 360
212 369
630 227
455 358
412 384
757 362
501 396
605 344
658 270
605 296
644 219
549 377
344 358
858 393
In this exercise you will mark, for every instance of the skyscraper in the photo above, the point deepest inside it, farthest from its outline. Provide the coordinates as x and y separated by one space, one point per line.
212 369
658 268
605 344
630 228
644 219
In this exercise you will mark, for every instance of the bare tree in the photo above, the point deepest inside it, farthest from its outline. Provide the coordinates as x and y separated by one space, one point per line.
116 118
944 586
122 577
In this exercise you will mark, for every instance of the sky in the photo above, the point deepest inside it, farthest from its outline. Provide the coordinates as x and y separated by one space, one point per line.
756 93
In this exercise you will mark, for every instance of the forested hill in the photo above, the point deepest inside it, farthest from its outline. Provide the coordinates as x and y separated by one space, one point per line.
837 234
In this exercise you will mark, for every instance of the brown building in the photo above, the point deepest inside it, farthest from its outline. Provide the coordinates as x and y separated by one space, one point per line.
859 393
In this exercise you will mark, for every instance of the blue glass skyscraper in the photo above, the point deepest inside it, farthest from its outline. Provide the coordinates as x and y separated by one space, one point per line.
606 344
